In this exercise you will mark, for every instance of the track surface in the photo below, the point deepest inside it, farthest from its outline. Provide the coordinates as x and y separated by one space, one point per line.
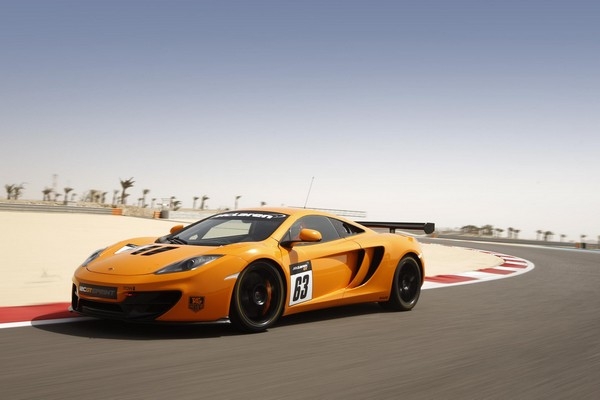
534 336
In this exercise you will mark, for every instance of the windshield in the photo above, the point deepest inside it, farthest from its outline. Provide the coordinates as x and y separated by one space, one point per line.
230 227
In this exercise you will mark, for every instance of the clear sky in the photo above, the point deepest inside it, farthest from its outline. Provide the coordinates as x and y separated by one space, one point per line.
456 112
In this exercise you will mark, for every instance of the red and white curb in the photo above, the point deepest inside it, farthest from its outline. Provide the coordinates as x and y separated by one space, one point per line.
511 266
14 317
43 314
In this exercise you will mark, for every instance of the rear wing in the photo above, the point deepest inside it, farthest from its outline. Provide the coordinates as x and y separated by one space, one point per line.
427 227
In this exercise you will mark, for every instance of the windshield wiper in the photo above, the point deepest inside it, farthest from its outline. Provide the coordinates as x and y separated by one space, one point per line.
176 240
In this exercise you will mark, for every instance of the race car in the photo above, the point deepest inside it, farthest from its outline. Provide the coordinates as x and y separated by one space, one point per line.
250 267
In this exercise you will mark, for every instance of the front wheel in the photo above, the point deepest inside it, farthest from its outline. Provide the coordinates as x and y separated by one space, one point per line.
406 286
258 298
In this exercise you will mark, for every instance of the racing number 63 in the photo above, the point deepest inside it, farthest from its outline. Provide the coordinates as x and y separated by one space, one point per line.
301 287
301 280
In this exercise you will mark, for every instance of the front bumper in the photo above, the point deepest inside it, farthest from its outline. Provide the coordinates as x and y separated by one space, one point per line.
151 298
137 306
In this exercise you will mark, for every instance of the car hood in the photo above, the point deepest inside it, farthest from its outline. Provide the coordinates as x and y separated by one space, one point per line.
135 257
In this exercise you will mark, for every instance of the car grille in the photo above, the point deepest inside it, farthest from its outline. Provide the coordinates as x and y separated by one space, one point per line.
140 306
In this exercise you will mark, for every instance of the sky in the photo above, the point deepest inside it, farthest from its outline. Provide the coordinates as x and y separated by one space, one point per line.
454 112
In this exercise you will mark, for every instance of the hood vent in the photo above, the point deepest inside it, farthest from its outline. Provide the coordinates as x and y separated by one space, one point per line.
152 250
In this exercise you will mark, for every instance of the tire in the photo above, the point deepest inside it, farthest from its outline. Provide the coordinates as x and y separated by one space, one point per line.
258 298
406 286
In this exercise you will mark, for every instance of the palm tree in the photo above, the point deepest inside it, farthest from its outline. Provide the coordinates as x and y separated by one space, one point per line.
46 193
486 230
9 191
516 231
469 230
562 237
548 235
203 201
195 200
539 233
510 232
176 205
125 185
95 196
67 191
17 191
144 193
582 243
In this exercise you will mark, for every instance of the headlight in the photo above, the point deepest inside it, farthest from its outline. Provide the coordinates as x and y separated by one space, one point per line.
92 257
188 264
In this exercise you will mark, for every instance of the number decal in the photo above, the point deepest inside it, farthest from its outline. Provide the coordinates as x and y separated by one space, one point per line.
301 282
301 287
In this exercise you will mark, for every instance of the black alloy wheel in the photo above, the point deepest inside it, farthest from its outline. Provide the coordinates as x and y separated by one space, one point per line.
258 298
406 286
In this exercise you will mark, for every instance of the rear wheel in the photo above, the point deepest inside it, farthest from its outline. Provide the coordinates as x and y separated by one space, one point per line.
258 298
406 286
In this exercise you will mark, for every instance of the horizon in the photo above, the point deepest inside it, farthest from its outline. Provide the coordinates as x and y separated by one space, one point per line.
357 215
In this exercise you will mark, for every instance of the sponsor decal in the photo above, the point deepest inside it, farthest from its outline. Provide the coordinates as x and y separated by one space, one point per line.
301 282
301 267
196 303
104 292
250 215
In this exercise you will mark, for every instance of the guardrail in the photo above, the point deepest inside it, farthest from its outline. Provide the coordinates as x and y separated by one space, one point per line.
48 208
579 245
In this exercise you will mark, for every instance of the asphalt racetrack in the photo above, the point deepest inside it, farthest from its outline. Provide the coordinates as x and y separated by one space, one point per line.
533 336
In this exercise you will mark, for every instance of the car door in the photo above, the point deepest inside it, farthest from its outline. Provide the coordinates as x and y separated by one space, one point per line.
319 272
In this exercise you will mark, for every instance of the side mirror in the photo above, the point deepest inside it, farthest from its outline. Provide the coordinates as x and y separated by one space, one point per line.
305 235
176 229
310 235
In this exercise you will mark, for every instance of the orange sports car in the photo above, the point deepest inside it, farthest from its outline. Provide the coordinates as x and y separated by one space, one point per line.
250 267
